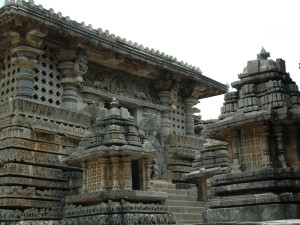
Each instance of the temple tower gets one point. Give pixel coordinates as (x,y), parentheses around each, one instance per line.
(259,121)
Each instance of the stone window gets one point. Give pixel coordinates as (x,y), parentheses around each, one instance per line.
(9,81)
(93,176)
(250,150)
(177,117)
(47,87)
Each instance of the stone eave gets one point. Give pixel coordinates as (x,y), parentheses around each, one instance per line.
(126,150)
(279,116)
(99,196)
(109,41)
(219,129)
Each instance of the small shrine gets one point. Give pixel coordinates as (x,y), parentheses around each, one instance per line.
(260,122)
(116,161)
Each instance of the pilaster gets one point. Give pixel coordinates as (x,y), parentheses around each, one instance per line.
(233,150)
(165,99)
(147,164)
(127,173)
(115,172)
(280,149)
(264,140)
(103,176)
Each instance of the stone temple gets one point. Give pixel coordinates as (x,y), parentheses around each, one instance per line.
(96,129)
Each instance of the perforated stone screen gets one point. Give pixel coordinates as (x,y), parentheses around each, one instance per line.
(177,117)
(93,176)
(250,150)
(9,81)
(47,87)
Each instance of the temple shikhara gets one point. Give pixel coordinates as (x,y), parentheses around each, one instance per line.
(98,130)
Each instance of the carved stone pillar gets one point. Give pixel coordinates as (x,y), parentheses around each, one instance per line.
(127,173)
(264,140)
(115,172)
(233,151)
(85,177)
(26,59)
(165,123)
(72,76)
(189,118)
(103,169)
(147,164)
(279,142)
(69,82)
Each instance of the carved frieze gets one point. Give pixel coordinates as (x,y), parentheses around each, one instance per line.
(29,170)
(32,213)
(119,83)
(31,192)
(34,157)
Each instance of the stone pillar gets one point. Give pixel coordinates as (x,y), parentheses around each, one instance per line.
(263,134)
(127,173)
(85,177)
(279,142)
(147,166)
(233,151)
(26,60)
(103,169)
(165,123)
(69,82)
(189,118)
(115,172)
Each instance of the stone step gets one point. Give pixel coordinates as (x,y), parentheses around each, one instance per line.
(182,197)
(186,209)
(189,222)
(182,203)
(188,192)
(184,217)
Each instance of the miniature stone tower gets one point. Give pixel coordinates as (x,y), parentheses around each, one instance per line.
(260,122)
(117,172)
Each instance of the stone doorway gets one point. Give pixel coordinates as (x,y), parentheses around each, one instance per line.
(135,175)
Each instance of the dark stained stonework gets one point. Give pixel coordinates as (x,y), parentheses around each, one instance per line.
(259,121)
(68,156)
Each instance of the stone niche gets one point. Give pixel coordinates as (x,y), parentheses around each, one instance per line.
(260,123)
(116,161)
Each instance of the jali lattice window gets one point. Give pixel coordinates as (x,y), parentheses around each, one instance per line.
(47,87)
(250,150)
(177,117)
(9,81)
(93,176)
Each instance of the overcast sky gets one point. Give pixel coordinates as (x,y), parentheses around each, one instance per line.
(216,35)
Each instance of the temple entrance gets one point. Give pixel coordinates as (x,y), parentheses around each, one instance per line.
(135,175)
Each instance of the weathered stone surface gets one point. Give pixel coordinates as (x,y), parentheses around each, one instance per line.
(263,154)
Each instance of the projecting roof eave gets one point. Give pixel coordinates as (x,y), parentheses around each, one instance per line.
(110,41)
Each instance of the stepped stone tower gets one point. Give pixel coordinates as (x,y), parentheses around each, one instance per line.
(58,78)
(260,122)
(116,164)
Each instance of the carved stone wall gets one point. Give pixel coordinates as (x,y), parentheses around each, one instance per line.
(118,83)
